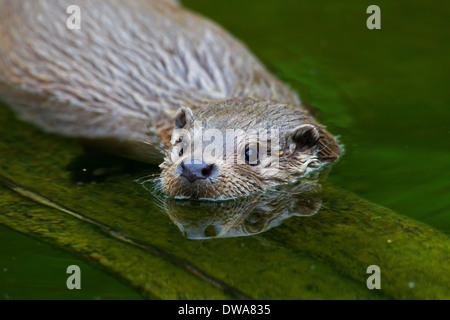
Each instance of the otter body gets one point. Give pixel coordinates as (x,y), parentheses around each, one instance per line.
(138,69)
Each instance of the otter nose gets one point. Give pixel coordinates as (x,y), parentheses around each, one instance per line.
(193,171)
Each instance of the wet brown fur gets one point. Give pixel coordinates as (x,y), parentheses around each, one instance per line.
(119,81)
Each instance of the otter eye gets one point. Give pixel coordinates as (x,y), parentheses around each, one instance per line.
(252,155)
(181,152)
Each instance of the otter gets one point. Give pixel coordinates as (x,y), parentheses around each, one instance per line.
(139,79)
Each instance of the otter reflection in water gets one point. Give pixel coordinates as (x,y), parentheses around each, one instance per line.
(243,216)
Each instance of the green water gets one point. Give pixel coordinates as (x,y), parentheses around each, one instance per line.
(384,92)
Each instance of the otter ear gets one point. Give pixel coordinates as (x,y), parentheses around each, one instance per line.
(183,116)
(305,137)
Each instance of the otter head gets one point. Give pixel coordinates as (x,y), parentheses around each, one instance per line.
(234,147)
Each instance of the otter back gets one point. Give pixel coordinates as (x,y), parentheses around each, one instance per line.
(122,76)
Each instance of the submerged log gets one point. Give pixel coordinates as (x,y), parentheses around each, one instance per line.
(322,254)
